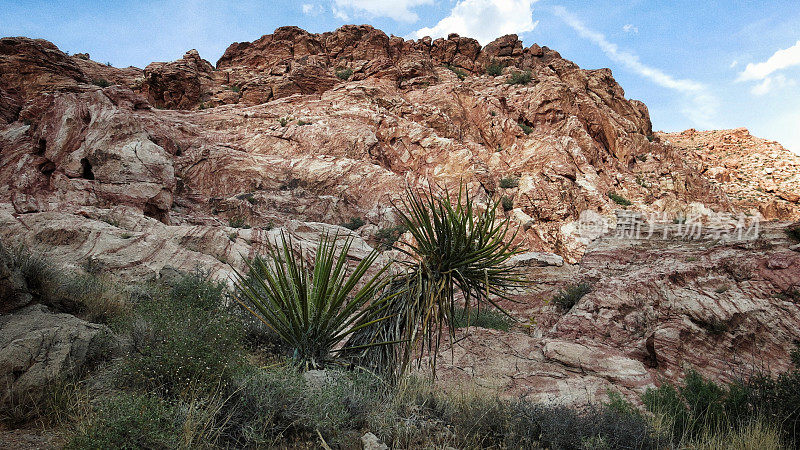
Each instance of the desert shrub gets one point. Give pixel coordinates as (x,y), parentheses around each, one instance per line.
(520,78)
(302,123)
(568,297)
(388,236)
(507,203)
(131,421)
(700,407)
(97,298)
(62,400)
(102,82)
(238,222)
(509,182)
(354,223)
(483,420)
(267,407)
(284,121)
(776,400)
(312,309)
(527,129)
(183,339)
(236,89)
(460,73)
(618,199)
(495,68)
(793,231)
(344,74)
(485,318)
(91,296)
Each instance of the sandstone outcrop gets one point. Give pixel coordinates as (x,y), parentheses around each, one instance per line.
(656,309)
(38,347)
(758,175)
(184,165)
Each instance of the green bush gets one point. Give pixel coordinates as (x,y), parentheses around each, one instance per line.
(618,199)
(507,202)
(525,128)
(131,421)
(312,309)
(485,318)
(183,339)
(354,223)
(344,74)
(522,78)
(302,123)
(569,296)
(509,182)
(495,68)
(388,236)
(268,408)
(102,82)
(460,73)
(238,222)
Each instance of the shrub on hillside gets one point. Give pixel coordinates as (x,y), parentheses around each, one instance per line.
(618,199)
(568,297)
(509,182)
(485,318)
(344,74)
(354,223)
(131,421)
(495,68)
(521,78)
(183,339)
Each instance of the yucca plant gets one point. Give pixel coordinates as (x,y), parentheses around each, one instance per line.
(456,249)
(313,309)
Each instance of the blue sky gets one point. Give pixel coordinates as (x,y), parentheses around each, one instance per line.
(712,64)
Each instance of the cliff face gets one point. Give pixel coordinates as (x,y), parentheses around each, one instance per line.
(327,127)
(184,164)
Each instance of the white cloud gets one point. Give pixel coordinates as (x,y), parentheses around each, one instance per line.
(734,63)
(484,20)
(630,28)
(312,10)
(781,59)
(702,105)
(771,83)
(400,10)
(764,72)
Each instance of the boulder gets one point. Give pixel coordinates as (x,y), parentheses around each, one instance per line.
(38,347)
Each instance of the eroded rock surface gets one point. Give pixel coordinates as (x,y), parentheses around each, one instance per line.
(298,132)
(38,347)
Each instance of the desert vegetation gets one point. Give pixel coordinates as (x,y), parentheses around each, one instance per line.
(200,372)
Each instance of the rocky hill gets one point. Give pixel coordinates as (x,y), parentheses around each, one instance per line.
(186,164)
(758,175)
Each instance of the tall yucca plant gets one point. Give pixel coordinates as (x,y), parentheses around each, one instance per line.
(312,311)
(456,249)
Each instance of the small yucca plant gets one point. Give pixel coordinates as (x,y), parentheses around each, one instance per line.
(455,249)
(312,309)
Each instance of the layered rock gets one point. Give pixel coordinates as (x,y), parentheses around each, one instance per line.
(298,132)
(657,308)
(758,175)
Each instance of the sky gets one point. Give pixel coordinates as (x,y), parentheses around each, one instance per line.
(696,64)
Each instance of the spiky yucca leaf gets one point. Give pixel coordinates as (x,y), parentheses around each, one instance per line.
(455,249)
(312,309)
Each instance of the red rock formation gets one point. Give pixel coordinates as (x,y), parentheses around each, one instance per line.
(758,175)
(274,138)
